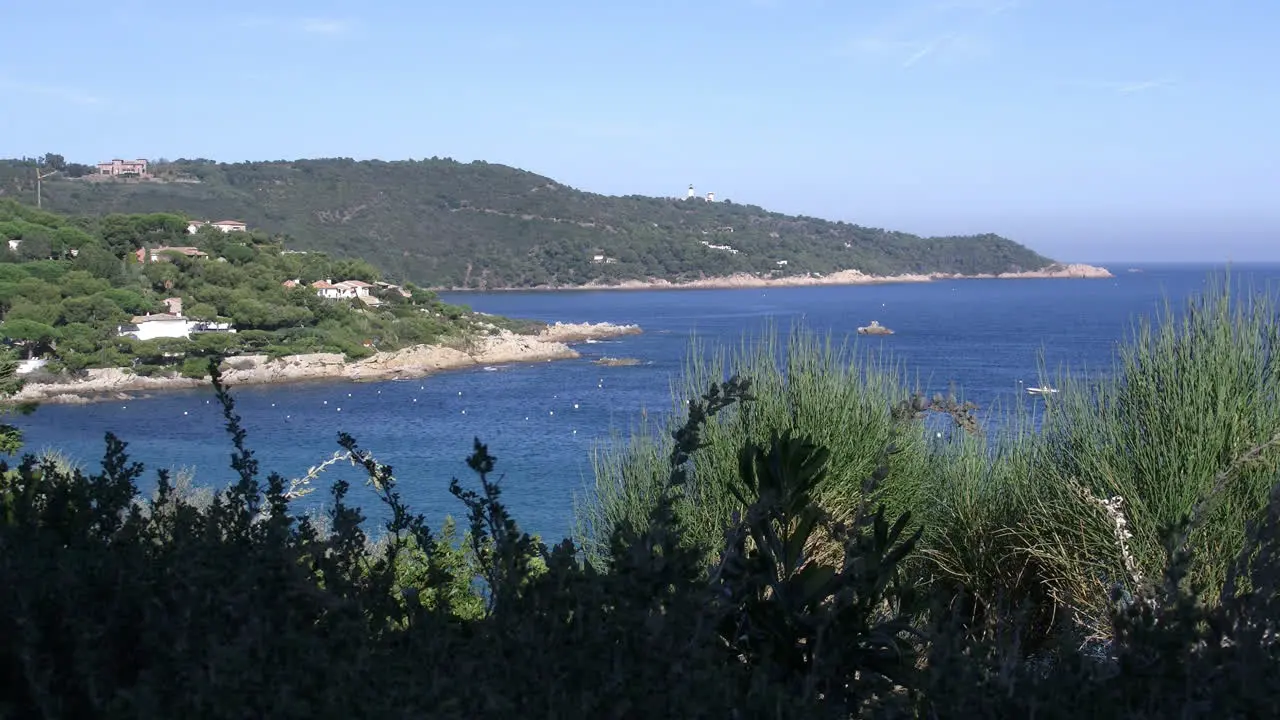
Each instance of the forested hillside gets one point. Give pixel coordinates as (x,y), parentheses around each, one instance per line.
(442,223)
(69,286)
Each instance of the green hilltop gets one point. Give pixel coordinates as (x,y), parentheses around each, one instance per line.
(446,224)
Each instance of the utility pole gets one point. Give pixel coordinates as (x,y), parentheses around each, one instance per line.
(39,179)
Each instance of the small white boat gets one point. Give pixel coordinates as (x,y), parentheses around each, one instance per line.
(1046,390)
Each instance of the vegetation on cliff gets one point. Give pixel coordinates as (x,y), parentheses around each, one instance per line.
(69,284)
(442,223)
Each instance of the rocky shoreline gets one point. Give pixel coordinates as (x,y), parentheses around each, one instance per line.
(843,277)
(552,343)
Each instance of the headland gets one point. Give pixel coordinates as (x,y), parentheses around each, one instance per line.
(502,347)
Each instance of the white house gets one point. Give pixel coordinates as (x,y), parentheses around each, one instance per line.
(168,325)
(358,288)
(326,289)
(30,365)
(344,289)
(226,226)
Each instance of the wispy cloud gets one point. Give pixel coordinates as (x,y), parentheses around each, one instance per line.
(942,30)
(59,93)
(1145,85)
(318,26)
(1127,87)
(325,26)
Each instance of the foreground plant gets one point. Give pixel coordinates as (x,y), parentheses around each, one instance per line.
(112,607)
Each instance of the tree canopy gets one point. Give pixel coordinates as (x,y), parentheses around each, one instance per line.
(69,299)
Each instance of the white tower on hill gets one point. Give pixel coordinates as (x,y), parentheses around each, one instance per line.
(691,192)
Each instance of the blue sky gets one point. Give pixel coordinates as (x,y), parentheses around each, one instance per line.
(1089,130)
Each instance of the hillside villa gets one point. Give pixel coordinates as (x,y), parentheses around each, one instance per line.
(226,226)
(348,289)
(169,325)
(160,254)
(116,168)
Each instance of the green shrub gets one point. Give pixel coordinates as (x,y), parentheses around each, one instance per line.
(195,368)
(806,384)
(144,370)
(1185,425)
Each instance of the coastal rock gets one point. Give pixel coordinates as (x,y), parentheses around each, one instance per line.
(578,332)
(1060,270)
(499,348)
(874,328)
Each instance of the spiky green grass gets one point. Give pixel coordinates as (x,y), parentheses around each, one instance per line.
(1186,423)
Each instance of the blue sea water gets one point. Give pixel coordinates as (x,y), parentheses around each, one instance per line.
(542,420)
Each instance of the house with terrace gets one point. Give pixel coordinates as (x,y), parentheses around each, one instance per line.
(226,226)
(164,253)
(353,289)
(168,325)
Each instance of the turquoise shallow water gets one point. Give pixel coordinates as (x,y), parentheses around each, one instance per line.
(542,420)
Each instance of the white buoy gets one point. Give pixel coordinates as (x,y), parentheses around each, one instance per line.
(184,412)
(575,406)
(553,412)
(464,412)
(325,402)
(459,393)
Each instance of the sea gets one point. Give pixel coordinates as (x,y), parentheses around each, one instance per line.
(543,421)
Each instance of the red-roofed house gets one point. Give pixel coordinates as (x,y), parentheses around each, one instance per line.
(344,289)
(159,254)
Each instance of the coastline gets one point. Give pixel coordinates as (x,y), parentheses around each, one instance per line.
(505,347)
(1074,271)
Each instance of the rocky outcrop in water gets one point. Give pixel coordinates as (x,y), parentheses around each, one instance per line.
(874,328)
